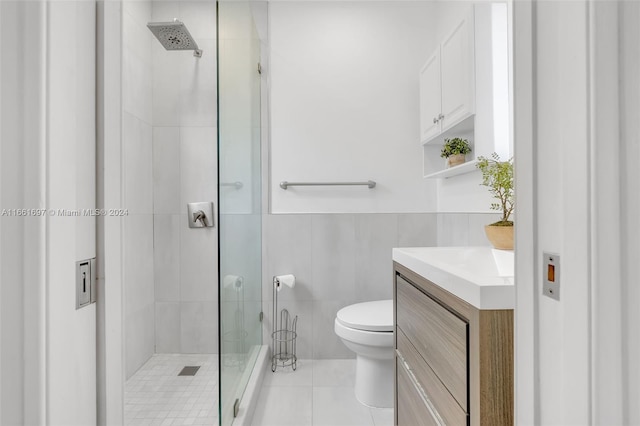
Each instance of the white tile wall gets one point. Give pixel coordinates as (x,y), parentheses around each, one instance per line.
(136,83)
(333,254)
(138,261)
(464,229)
(454,228)
(325,342)
(166,252)
(166,170)
(184,170)
(166,83)
(138,271)
(198,263)
(139,338)
(341,259)
(168,327)
(375,236)
(138,174)
(198,164)
(139,10)
(198,83)
(199,327)
(200,16)
(288,251)
(477,222)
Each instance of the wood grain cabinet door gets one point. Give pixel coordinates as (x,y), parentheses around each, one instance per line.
(439,336)
(412,410)
(441,400)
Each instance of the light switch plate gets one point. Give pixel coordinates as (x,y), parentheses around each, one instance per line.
(551,275)
(85,283)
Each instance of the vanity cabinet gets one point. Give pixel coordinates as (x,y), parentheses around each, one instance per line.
(454,362)
(447,82)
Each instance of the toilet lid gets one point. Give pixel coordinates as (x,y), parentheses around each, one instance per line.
(368,316)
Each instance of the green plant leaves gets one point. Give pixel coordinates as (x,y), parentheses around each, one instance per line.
(498,177)
(455,146)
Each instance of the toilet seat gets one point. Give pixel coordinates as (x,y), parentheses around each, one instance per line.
(374,316)
(374,339)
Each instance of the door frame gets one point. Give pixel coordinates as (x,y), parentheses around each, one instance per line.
(110,195)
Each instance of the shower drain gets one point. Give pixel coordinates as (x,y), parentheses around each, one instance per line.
(189,371)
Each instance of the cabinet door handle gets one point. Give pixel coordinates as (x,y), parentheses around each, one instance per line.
(440,117)
(435,120)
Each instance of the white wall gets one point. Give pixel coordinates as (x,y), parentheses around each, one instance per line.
(628,16)
(344,104)
(554,351)
(562,162)
(12,187)
(526,402)
(337,68)
(48,161)
(71,333)
(110,341)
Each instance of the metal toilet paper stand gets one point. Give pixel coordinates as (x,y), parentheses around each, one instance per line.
(284,335)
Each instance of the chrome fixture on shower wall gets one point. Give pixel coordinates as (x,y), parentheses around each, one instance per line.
(200,214)
(174,36)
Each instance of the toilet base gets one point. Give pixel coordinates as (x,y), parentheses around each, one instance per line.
(374,382)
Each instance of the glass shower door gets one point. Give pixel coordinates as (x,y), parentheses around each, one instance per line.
(239,177)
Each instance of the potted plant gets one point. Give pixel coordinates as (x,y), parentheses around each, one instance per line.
(498,177)
(454,151)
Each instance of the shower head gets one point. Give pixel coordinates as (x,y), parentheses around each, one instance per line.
(174,36)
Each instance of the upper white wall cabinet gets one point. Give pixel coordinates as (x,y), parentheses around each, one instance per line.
(447,82)
(464,89)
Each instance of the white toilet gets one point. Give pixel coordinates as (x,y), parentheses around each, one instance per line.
(367,329)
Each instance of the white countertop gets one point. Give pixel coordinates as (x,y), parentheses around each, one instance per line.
(481,276)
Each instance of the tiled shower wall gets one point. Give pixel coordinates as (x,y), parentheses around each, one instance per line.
(184,170)
(138,185)
(169,144)
(341,259)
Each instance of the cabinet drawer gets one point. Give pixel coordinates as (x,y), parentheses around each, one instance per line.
(446,405)
(439,336)
(411,408)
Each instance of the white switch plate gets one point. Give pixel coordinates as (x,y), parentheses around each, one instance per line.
(85,282)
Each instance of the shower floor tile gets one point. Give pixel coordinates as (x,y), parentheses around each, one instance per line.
(156,395)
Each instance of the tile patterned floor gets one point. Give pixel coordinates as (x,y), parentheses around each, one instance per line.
(157,396)
(318,393)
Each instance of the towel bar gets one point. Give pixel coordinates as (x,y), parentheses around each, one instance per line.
(285,184)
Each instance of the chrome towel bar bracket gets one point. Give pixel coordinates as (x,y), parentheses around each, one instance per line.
(369,183)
